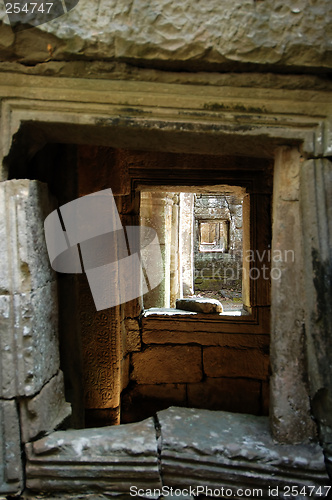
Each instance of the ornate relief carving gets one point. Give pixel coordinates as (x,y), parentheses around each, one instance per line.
(100,337)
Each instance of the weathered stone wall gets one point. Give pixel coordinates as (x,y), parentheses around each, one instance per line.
(315,200)
(197,363)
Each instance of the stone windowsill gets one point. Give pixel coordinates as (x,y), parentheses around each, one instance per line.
(178,313)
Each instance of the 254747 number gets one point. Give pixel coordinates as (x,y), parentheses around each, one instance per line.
(29,8)
(307,491)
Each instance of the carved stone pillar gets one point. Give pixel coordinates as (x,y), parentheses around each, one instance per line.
(101,357)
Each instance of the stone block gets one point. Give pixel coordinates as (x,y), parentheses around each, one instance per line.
(43,413)
(29,341)
(227,394)
(207,306)
(157,365)
(95,460)
(132,333)
(228,362)
(288,164)
(133,308)
(215,449)
(11,472)
(143,401)
(24,263)
(173,331)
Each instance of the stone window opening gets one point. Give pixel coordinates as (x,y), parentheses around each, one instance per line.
(109,358)
(201,235)
(165,370)
(108,378)
(214,236)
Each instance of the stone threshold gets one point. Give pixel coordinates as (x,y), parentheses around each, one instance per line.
(181,447)
(179,313)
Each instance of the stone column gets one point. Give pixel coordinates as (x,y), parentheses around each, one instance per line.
(174,257)
(156,212)
(290,413)
(101,353)
(102,335)
(316,198)
(31,384)
(186,243)
(246,245)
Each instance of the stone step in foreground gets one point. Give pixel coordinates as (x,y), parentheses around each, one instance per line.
(201,449)
(210,449)
(105,460)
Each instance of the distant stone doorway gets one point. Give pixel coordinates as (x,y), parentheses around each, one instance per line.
(283,141)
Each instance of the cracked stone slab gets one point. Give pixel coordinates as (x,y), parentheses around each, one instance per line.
(202,447)
(107,459)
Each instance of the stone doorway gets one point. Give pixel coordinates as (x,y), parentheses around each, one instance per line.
(107,356)
(195,268)
(290,409)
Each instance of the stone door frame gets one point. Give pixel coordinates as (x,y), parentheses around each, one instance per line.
(294,126)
